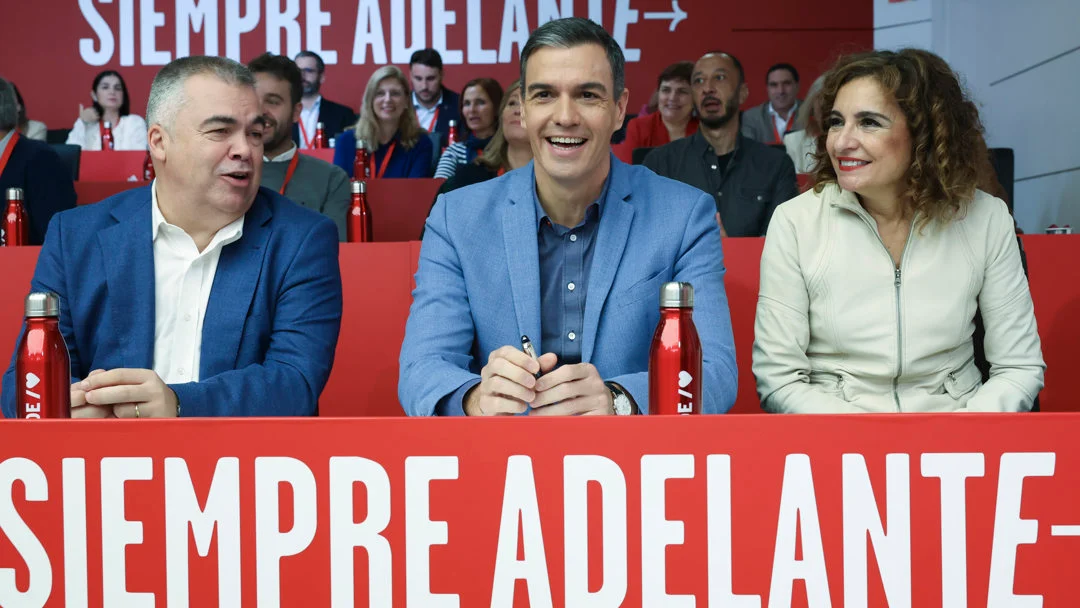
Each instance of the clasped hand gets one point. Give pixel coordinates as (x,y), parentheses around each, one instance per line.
(508,386)
(123,393)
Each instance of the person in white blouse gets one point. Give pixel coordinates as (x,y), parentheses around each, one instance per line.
(801,145)
(111,104)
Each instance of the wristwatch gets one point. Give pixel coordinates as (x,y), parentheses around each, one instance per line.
(621,402)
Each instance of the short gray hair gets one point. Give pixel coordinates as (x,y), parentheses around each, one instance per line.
(9,106)
(167,91)
(569,33)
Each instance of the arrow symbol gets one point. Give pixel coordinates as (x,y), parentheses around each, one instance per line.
(676,15)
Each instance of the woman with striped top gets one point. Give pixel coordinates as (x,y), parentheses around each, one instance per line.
(480,101)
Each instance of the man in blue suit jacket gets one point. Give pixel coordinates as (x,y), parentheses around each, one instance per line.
(32,166)
(570,250)
(202,294)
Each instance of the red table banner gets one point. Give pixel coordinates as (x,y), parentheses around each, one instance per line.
(734,511)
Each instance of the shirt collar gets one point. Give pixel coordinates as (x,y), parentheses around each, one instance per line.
(794,108)
(230,233)
(701,146)
(315,104)
(7,139)
(592,213)
(416,102)
(283,157)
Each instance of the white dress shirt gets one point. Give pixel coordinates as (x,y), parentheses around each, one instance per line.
(781,122)
(425,116)
(183,277)
(309,121)
(285,156)
(128,134)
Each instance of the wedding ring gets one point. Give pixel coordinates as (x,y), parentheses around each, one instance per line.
(136,410)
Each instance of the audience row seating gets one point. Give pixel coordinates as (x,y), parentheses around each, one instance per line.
(378,283)
(399,207)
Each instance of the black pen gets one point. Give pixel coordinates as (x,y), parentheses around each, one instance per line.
(526,345)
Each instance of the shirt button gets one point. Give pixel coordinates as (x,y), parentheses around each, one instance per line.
(571,335)
(719,193)
(714,167)
(571,286)
(187,317)
(573,238)
(181,371)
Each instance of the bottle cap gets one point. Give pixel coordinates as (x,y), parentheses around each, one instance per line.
(108,125)
(43,304)
(318,125)
(453,123)
(359,187)
(676,295)
(360,144)
(14,194)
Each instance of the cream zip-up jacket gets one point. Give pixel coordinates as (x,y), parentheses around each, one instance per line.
(841,329)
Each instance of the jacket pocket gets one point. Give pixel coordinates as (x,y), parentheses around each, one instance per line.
(959,383)
(649,286)
(829,382)
(756,196)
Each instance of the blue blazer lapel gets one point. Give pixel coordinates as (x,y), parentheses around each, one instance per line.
(128,250)
(523,255)
(611,240)
(238,272)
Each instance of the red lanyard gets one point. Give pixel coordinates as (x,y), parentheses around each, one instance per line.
(303,133)
(385,160)
(780,136)
(501,171)
(7,151)
(434,119)
(288,173)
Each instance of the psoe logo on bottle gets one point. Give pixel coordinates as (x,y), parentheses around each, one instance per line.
(32,409)
(684,381)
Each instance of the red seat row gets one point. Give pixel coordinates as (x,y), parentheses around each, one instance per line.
(378,282)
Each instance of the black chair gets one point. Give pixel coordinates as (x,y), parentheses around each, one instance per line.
(637,157)
(69,155)
(620,136)
(980,330)
(56,136)
(1004,162)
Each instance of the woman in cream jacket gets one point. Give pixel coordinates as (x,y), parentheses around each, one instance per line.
(870,281)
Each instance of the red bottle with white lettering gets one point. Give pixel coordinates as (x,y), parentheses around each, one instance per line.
(107,141)
(16,231)
(675,354)
(452,134)
(358,222)
(361,168)
(148,168)
(320,137)
(42,365)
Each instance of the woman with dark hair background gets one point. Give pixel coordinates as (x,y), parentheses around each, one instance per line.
(111,104)
(871,281)
(30,129)
(480,102)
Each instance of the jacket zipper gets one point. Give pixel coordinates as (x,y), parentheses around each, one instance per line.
(897,276)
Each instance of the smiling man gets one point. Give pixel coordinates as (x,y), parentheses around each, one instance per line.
(579,243)
(201,294)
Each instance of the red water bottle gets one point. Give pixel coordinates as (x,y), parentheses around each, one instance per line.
(320,137)
(361,168)
(148,168)
(675,354)
(42,365)
(452,136)
(358,222)
(16,231)
(107,142)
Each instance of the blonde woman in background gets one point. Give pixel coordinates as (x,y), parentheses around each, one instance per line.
(396,144)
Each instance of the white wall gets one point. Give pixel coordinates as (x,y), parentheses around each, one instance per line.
(1021,63)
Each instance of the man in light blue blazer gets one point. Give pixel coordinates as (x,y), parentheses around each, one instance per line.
(571,251)
(202,294)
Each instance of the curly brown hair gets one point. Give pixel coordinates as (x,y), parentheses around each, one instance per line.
(949,157)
